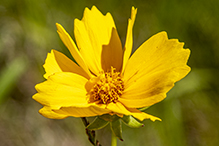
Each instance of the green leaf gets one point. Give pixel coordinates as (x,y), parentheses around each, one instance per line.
(97,124)
(144,108)
(131,122)
(109,118)
(116,128)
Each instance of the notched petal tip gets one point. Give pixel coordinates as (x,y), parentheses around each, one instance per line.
(164,33)
(129,38)
(94,8)
(133,12)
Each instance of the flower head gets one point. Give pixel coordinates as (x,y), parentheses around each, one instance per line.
(106,78)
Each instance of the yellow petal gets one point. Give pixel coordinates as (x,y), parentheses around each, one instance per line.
(58,62)
(91,33)
(48,113)
(152,71)
(62,89)
(90,111)
(150,89)
(141,115)
(156,54)
(112,53)
(118,108)
(129,38)
(69,43)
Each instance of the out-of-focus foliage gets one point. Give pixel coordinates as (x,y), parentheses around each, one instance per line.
(27,33)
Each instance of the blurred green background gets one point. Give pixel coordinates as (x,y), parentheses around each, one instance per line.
(27,33)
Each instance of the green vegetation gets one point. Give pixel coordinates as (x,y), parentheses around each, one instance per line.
(189,114)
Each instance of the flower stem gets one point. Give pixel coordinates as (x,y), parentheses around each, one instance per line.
(113,140)
(90,133)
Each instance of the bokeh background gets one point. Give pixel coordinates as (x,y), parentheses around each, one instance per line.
(190,113)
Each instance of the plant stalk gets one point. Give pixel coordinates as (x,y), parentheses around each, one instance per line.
(113,140)
(90,133)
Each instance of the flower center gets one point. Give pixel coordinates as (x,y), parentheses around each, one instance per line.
(108,88)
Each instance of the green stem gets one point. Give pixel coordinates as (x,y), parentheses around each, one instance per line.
(90,133)
(113,140)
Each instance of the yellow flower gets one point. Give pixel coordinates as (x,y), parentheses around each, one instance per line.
(106,80)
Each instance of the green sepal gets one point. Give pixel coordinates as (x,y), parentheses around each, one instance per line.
(144,108)
(116,128)
(109,118)
(131,122)
(97,124)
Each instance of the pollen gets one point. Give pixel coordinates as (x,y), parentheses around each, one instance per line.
(108,88)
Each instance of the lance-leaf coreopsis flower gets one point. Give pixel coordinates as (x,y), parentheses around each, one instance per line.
(106,78)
